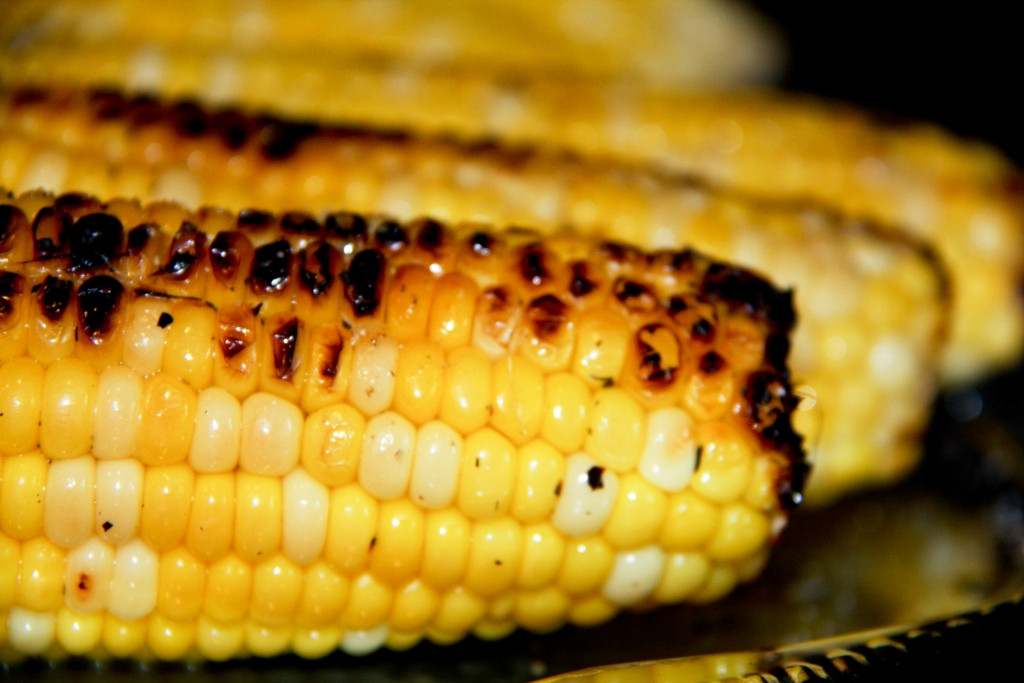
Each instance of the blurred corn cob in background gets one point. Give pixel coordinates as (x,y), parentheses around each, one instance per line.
(872,303)
(965,198)
(229,434)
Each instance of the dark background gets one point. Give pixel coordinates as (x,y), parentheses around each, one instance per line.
(951,63)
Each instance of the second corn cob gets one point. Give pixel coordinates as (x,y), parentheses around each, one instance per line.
(228,434)
(873,302)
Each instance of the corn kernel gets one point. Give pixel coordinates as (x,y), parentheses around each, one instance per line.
(689,523)
(68,513)
(119,403)
(119,487)
(435,468)
(465,402)
(566,401)
(10,553)
(460,609)
(398,542)
(684,573)
(587,497)
(350,528)
(445,548)
(741,532)
(368,604)
(211,520)
(601,346)
(638,514)
(414,606)
(543,550)
(385,463)
(315,643)
(182,584)
(66,414)
(617,430)
(634,575)
(78,634)
(495,555)
(487,475)
(188,346)
(218,641)
(541,610)
(304,524)
(41,577)
(518,386)
(726,464)
(324,594)
(88,570)
(228,589)
(216,439)
(166,497)
(586,565)
(331,443)
(539,476)
(372,383)
(133,586)
(409,303)
(168,419)
(267,641)
(21,392)
(21,495)
(420,378)
(123,638)
(258,516)
(30,632)
(452,311)
(276,591)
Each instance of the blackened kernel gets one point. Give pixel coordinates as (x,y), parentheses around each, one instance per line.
(139,236)
(363,281)
(676,305)
(49,229)
(235,331)
(497,299)
(54,295)
(702,330)
(315,269)
(270,265)
(390,235)
(595,478)
(98,300)
(164,320)
(346,226)
(224,255)
(94,240)
(710,363)
(233,129)
(11,285)
(284,340)
(185,248)
(482,243)
(618,252)
(430,235)
(660,354)
(10,218)
(547,314)
(580,284)
(298,223)
(280,140)
(189,119)
(635,296)
(254,220)
(532,266)
(684,260)
(329,366)
(70,201)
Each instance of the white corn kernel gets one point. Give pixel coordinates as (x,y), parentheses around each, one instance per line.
(216,440)
(635,574)
(435,468)
(372,384)
(587,497)
(88,571)
(271,435)
(364,642)
(118,499)
(385,464)
(133,587)
(68,507)
(670,454)
(30,632)
(145,333)
(304,527)
(118,406)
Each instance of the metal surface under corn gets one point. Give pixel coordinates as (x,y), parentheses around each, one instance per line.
(872,302)
(225,434)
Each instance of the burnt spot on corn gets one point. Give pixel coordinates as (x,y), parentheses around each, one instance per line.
(595,478)
(363,281)
(270,265)
(430,236)
(547,315)
(481,243)
(186,246)
(70,202)
(139,236)
(279,140)
(11,286)
(298,223)
(53,295)
(224,255)
(283,342)
(94,240)
(235,330)
(710,363)
(703,330)
(330,355)
(635,296)
(660,352)
(616,252)
(770,403)
(11,219)
(315,268)
(532,265)
(48,232)
(254,220)
(164,320)
(496,299)
(346,226)
(98,301)
(580,283)
(390,235)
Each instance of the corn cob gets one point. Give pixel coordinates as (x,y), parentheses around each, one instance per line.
(965,198)
(679,42)
(228,434)
(872,302)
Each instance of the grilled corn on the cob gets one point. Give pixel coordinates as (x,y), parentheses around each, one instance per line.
(227,434)
(872,303)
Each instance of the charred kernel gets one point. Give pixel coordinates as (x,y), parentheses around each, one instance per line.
(185,249)
(430,236)
(618,252)
(328,367)
(711,363)
(224,255)
(48,231)
(270,267)
(390,235)
(254,220)
(580,284)
(346,226)
(54,295)
(11,285)
(139,236)
(235,331)
(363,281)
(547,314)
(595,478)
(299,223)
(771,402)
(660,353)
(284,340)
(315,269)
(94,240)
(532,266)
(702,330)
(10,218)
(280,140)
(98,299)
(635,296)
(481,243)
(73,200)
(164,320)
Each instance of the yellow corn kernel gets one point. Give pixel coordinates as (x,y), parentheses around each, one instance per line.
(41,577)
(331,443)
(445,548)
(10,552)
(690,522)
(683,575)
(350,529)
(586,565)
(541,610)
(414,606)
(741,531)
(119,488)
(211,519)
(495,555)
(459,611)
(465,402)
(419,381)
(271,435)
(169,640)
(385,463)
(182,584)
(21,392)
(266,641)
(538,481)
(66,415)
(324,594)
(188,347)
(168,420)
(369,602)
(315,643)
(21,499)
(68,513)
(638,515)
(228,589)
(166,499)
(123,637)
(435,468)
(216,439)
(566,401)
(88,571)
(452,311)
(543,550)
(518,386)
(726,464)
(276,591)
(371,385)
(720,580)
(592,610)
(218,641)
(601,347)
(616,431)
(408,304)
(398,542)
(258,516)
(79,634)
(487,475)
(119,401)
